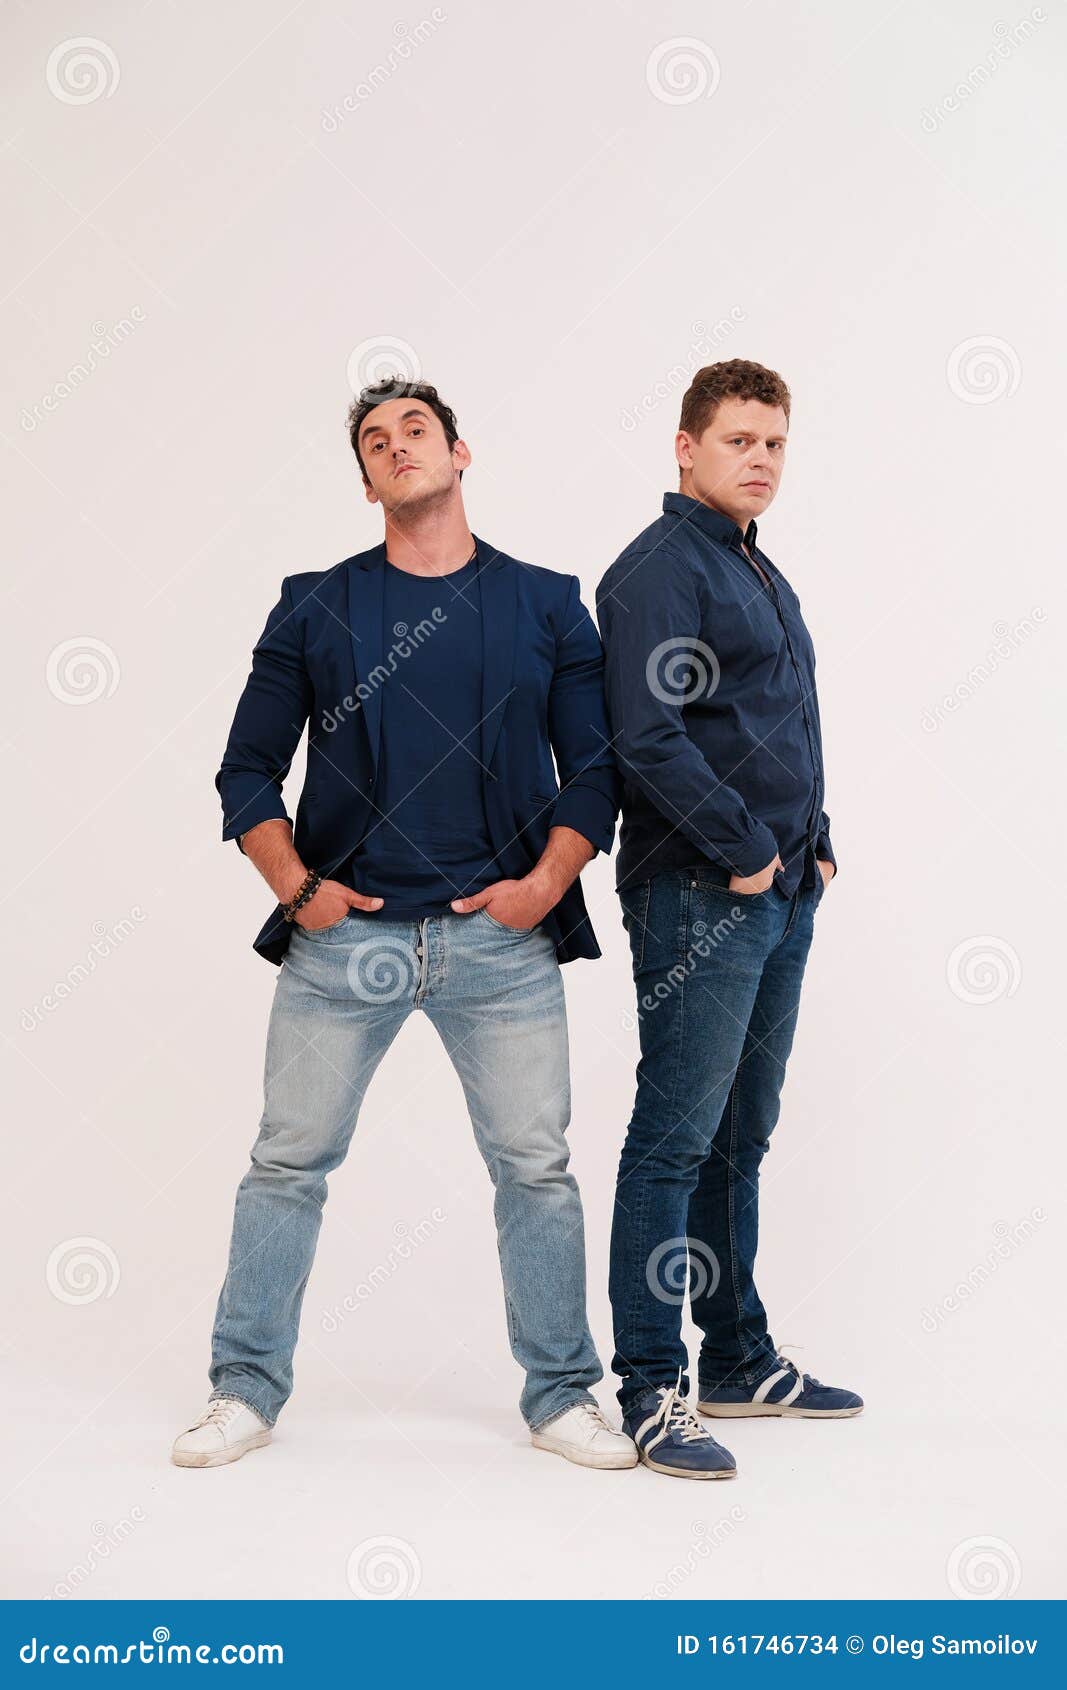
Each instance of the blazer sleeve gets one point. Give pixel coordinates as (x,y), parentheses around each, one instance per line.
(590,787)
(271,715)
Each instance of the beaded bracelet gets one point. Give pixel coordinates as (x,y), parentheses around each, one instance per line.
(306,891)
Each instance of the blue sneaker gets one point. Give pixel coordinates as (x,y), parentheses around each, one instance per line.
(786,1392)
(670,1438)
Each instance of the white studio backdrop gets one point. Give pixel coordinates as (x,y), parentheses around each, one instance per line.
(218,220)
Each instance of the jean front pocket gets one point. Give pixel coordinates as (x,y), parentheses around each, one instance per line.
(634,901)
(331,927)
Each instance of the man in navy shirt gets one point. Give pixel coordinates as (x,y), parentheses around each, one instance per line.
(433,865)
(725,854)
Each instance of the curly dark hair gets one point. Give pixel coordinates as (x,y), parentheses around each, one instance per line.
(735,379)
(382,391)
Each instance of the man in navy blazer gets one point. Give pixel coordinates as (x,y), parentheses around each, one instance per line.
(433,865)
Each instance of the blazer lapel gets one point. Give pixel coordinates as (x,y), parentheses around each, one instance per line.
(366,588)
(499,616)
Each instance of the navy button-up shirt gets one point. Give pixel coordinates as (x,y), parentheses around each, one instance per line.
(711,695)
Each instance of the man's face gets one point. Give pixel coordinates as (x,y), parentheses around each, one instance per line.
(406,457)
(736,464)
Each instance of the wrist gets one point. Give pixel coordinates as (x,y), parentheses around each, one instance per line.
(548,885)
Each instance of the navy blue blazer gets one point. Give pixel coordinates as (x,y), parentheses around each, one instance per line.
(322,661)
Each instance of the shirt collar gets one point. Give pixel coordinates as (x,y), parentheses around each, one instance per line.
(716,523)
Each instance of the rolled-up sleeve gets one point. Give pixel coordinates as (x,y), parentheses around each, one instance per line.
(270,718)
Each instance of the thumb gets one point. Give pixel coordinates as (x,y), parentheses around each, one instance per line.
(360,901)
(465,906)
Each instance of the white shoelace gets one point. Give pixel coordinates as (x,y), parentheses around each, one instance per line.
(596,1420)
(677,1417)
(221,1412)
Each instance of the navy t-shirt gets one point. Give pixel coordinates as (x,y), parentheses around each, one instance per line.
(428,841)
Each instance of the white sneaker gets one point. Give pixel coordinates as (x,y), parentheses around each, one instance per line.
(225,1431)
(583,1435)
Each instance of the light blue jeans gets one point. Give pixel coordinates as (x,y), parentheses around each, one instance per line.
(495,996)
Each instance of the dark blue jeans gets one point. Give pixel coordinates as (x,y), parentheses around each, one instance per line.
(718,977)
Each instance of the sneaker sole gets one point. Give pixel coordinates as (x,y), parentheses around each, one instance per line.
(763,1410)
(218,1457)
(605,1463)
(688,1472)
